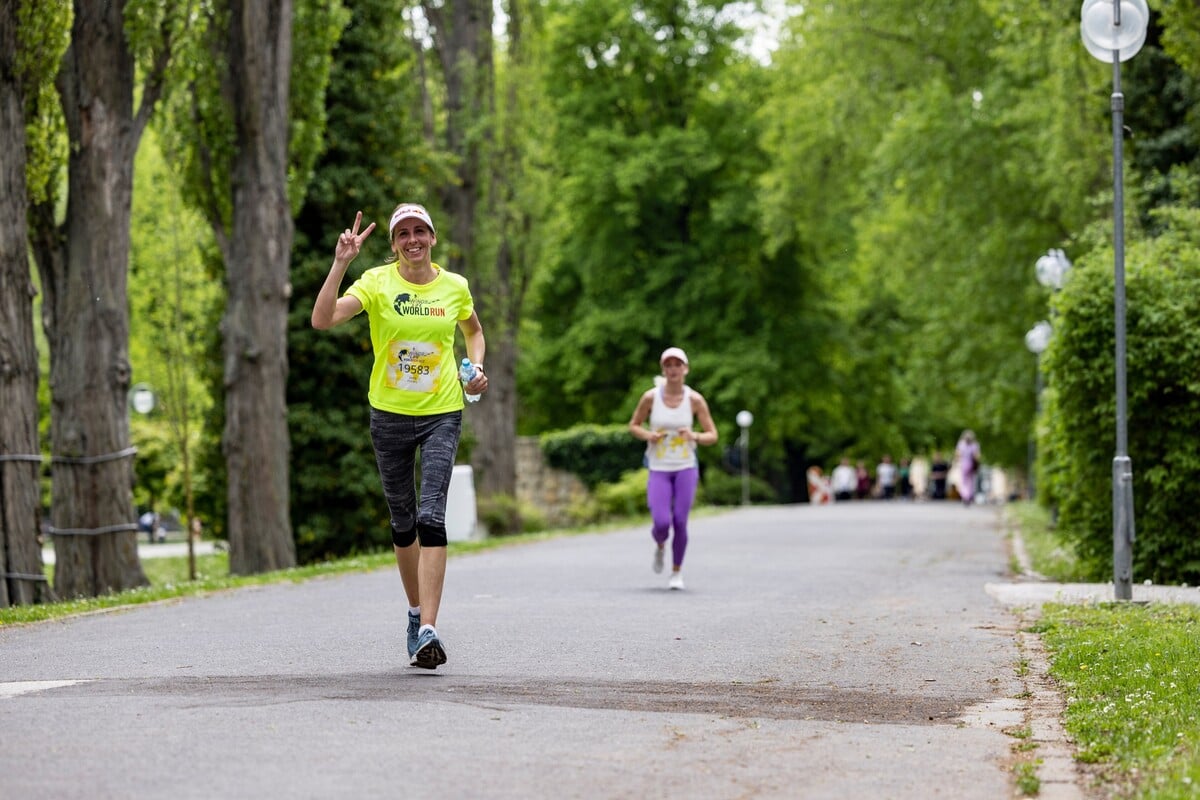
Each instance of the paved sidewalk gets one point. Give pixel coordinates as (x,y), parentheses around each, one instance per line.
(147,550)
(1034,593)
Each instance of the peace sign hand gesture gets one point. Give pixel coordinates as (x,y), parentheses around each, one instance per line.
(351,241)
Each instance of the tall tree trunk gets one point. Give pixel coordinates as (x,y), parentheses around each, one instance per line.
(501,299)
(494,422)
(257,264)
(22,574)
(86,315)
(462,31)
(463,37)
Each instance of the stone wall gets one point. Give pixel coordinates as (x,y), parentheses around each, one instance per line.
(550,490)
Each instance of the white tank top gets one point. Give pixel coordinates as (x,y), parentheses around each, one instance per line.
(672,453)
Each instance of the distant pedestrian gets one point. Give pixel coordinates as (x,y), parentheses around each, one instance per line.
(414,308)
(148,524)
(968,454)
(862,480)
(664,419)
(939,471)
(820,491)
(885,477)
(844,480)
(904,479)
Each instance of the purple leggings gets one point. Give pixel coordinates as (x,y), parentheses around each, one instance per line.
(670,496)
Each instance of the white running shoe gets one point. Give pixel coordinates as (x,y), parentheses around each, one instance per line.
(676,581)
(658,559)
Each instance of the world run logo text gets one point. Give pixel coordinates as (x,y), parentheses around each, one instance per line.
(406,305)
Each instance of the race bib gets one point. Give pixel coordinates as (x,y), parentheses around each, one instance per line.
(672,447)
(413,366)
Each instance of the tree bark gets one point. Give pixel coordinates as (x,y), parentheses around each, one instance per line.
(494,459)
(22,573)
(257,264)
(494,421)
(462,32)
(86,314)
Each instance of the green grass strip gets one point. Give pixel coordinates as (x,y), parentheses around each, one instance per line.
(1048,554)
(1131,677)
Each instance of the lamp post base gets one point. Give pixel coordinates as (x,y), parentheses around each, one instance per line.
(1123,530)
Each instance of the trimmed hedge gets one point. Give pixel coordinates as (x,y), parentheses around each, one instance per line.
(504,515)
(723,489)
(596,454)
(625,498)
(1077,429)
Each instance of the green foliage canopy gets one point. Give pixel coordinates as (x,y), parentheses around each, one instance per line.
(172,300)
(374,156)
(43,34)
(656,237)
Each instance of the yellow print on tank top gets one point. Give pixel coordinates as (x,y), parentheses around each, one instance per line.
(413,366)
(671,447)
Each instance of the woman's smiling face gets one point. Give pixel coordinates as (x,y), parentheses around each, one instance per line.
(412,241)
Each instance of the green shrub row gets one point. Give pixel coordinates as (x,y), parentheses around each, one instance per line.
(504,515)
(720,488)
(601,457)
(1077,428)
(595,453)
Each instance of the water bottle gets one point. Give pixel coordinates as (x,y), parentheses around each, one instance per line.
(466,373)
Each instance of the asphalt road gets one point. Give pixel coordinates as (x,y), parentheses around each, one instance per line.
(844,651)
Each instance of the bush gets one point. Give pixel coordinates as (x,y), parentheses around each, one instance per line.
(595,454)
(625,498)
(504,515)
(1077,428)
(722,489)
(585,512)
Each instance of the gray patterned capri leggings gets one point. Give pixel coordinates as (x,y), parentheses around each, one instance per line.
(397,439)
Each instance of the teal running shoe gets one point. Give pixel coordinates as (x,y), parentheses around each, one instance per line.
(430,652)
(414,628)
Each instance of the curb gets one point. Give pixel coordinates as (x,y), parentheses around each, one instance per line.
(1054,758)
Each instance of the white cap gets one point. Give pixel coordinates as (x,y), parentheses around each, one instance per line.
(673,352)
(410,211)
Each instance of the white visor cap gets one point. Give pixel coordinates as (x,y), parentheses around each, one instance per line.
(673,352)
(410,211)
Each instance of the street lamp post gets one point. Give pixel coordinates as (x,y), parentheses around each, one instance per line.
(1052,268)
(1114,31)
(1036,340)
(744,420)
(1051,271)
(142,398)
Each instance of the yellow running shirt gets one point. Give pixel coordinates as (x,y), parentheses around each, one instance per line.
(412,334)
